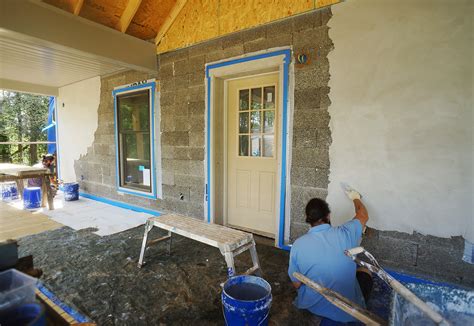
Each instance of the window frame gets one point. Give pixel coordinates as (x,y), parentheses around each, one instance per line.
(134,88)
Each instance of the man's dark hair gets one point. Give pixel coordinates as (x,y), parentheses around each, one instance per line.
(317,210)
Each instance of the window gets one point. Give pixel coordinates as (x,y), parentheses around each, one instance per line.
(257,122)
(134,139)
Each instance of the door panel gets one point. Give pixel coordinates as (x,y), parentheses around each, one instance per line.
(252,142)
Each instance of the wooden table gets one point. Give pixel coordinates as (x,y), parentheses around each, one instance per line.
(230,242)
(18,173)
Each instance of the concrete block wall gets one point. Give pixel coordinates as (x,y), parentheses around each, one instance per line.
(436,258)
(181,76)
(183,107)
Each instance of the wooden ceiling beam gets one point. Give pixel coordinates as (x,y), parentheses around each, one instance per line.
(128,14)
(170,20)
(78,7)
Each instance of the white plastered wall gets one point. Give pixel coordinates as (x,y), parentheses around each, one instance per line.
(77,108)
(401,113)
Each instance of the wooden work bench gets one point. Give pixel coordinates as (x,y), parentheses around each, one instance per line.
(230,242)
(18,173)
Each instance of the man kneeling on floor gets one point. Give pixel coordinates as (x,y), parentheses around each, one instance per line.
(319,255)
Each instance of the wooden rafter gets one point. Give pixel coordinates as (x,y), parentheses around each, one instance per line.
(127,15)
(78,7)
(170,20)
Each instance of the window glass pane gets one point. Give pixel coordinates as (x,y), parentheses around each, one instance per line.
(255,121)
(268,121)
(269,97)
(244,123)
(256,99)
(135,160)
(255,142)
(244,100)
(134,111)
(134,140)
(244,145)
(268,145)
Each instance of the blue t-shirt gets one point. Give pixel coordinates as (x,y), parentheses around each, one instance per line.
(319,255)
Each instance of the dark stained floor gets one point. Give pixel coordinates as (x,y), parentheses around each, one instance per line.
(99,276)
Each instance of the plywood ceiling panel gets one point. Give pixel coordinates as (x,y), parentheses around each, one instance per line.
(67,5)
(105,12)
(149,18)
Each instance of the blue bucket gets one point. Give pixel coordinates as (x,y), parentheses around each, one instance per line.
(246,300)
(32,197)
(71,191)
(28,314)
(9,191)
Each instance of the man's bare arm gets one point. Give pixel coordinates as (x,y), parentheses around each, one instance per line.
(361,212)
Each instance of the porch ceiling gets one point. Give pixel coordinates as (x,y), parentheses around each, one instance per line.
(43,48)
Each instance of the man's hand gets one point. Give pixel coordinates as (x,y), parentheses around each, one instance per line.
(352,194)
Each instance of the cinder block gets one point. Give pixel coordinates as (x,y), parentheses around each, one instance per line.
(234,51)
(197,63)
(181,67)
(308,98)
(197,108)
(196,138)
(189,180)
(205,47)
(307,21)
(167,85)
(232,40)
(284,26)
(195,210)
(326,15)
(253,34)
(305,137)
(197,193)
(310,157)
(196,79)
(196,93)
(300,197)
(196,153)
(311,78)
(176,192)
(196,168)
(170,57)
(197,123)
(322,178)
(167,177)
(181,82)
(297,230)
(175,138)
(166,71)
(303,176)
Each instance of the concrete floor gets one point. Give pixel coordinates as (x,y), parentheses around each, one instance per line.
(99,276)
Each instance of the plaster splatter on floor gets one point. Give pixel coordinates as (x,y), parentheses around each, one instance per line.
(86,213)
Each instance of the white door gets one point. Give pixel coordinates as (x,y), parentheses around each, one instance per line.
(252,143)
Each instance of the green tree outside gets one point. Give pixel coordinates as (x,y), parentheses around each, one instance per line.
(22,116)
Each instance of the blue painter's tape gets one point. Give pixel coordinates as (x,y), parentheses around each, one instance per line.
(141,168)
(153,194)
(208,180)
(120,204)
(78,317)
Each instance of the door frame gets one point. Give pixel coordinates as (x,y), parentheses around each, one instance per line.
(279,58)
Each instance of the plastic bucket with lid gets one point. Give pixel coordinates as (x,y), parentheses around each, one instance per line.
(246,300)
(9,191)
(71,191)
(32,197)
